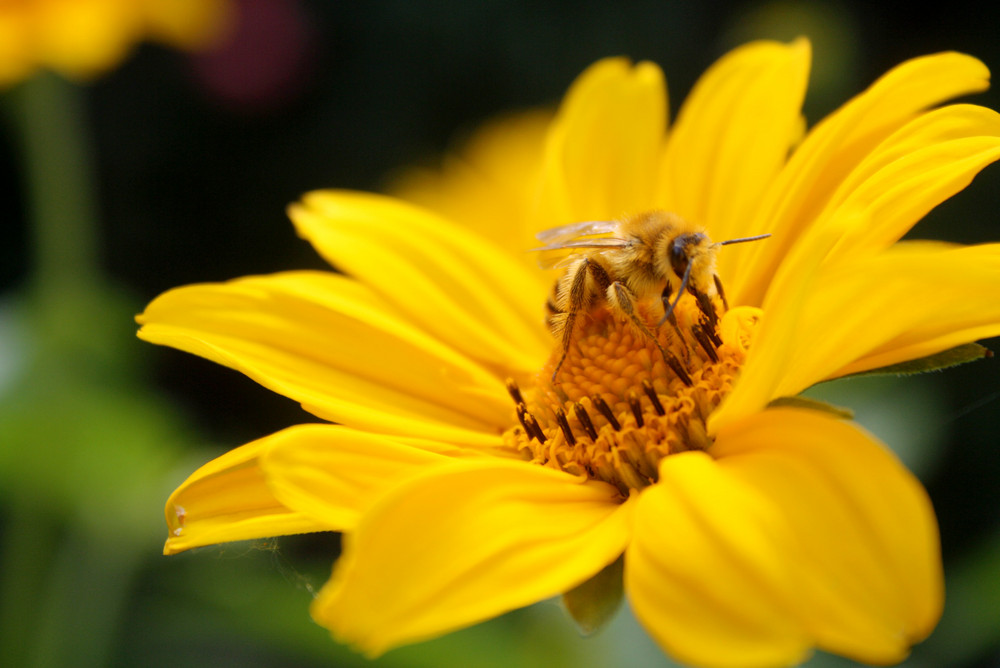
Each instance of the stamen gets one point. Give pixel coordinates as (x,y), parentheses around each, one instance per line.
(713,334)
(564,425)
(605,410)
(675,365)
(708,308)
(581,414)
(515,391)
(633,403)
(532,427)
(521,411)
(722,293)
(701,336)
(655,388)
(647,387)
(539,434)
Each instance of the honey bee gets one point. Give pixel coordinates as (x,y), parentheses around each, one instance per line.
(617,263)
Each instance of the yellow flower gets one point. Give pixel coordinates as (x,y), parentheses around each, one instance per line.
(82,38)
(753,529)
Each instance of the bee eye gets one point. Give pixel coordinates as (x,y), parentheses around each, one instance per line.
(679,253)
(682,249)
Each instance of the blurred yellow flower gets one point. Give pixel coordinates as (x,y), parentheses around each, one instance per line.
(468,483)
(82,38)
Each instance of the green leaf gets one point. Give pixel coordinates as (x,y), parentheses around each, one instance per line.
(967,352)
(812,404)
(593,603)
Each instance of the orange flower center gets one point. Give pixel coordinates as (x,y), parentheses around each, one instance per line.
(619,405)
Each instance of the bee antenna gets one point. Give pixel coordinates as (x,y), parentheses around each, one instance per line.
(743,239)
(680,293)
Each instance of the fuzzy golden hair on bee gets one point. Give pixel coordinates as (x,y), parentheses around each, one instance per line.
(616,264)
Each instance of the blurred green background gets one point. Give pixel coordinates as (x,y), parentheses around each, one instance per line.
(176,168)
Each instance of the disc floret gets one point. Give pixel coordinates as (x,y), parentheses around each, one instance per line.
(617,407)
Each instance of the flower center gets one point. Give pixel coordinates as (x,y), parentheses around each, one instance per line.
(619,405)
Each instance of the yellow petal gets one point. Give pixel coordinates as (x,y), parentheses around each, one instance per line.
(925,162)
(490,186)
(334,474)
(867,549)
(924,301)
(769,361)
(438,275)
(336,347)
(733,135)
(17,59)
(189,24)
(82,38)
(228,499)
(933,298)
(910,301)
(601,152)
(707,571)
(465,543)
(834,148)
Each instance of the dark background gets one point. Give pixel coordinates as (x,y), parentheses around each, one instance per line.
(197,157)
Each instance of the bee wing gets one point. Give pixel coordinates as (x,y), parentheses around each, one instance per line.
(561,254)
(555,259)
(555,235)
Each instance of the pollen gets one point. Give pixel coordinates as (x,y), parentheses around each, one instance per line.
(620,403)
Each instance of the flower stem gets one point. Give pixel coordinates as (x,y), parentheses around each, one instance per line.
(67,300)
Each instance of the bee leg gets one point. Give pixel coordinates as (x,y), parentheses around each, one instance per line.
(669,316)
(567,338)
(668,312)
(554,314)
(578,298)
(707,307)
(577,301)
(599,274)
(568,324)
(620,297)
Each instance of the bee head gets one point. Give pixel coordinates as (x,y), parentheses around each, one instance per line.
(685,248)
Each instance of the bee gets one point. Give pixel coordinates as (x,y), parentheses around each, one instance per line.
(617,263)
